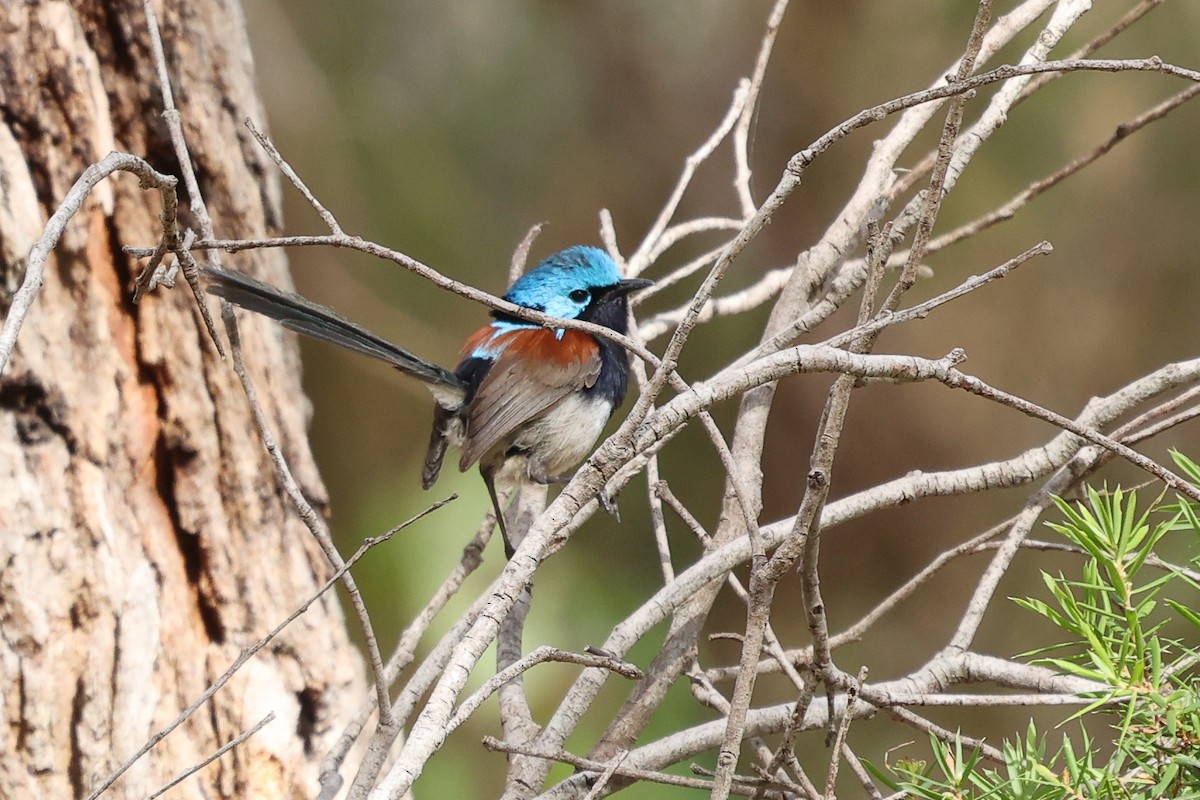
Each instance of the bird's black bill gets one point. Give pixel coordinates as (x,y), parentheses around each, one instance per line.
(627,286)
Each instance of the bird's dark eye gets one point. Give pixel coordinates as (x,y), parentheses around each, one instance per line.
(579,295)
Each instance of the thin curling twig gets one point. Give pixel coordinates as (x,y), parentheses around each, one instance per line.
(35,265)
(1009,209)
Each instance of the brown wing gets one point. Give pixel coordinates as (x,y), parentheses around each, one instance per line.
(533,373)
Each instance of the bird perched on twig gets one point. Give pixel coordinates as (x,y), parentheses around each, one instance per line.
(525,402)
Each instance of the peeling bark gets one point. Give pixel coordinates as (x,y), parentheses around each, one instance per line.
(143,539)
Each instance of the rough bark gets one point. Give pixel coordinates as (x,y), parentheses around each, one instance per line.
(143,539)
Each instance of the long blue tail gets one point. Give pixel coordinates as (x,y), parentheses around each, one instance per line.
(309,318)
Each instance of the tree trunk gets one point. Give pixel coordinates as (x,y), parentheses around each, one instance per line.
(144,541)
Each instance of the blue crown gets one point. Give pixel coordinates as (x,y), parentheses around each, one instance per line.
(561,285)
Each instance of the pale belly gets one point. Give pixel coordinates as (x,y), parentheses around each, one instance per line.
(565,436)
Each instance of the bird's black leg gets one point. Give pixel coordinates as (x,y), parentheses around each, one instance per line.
(490,483)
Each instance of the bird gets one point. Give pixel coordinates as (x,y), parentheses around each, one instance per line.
(525,402)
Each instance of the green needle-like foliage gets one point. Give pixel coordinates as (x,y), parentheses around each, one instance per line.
(1128,625)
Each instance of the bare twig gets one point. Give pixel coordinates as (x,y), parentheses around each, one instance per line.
(882,321)
(614,764)
(541,655)
(806,358)
(741,133)
(600,767)
(411,693)
(675,276)
(860,772)
(786,751)
(641,257)
(195,196)
(945,735)
(801,160)
(269,148)
(658,521)
(1040,81)
(775,281)
(1009,209)
(926,683)
(840,739)
(225,748)
(433,276)
(521,255)
(682,230)
(941,165)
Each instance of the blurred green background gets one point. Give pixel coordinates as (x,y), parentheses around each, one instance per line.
(446,130)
